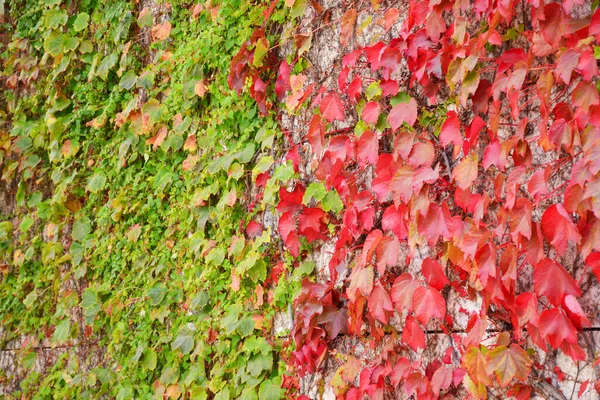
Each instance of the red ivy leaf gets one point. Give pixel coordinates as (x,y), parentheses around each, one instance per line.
(575,312)
(556,328)
(593,261)
(451,130)
(332,108)
(558,228)
(355,89)
(283,80)
(290,201)
(403,112)
(427,303)
(552,280)
(370,113)
(566,64)
(367,148)
(380,304)
(310,224)
(316,134)
(394,219)
(412,334)
(434,274)
(253,229)
(402,292)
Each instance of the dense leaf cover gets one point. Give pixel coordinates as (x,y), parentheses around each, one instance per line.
(127,271)
(470,129)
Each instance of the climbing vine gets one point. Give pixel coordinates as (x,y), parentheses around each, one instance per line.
(127,268)
(450,164)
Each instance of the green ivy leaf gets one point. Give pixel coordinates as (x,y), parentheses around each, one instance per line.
(81,228)
(149,361)
(259,363)
(81,22)
(315,190)
(184,340)
(54,43)
(106,64)
(245,326)
(61,332)
(271,389)
(157,294)
(332,202)
(55,18)
(96,182)
(373,90)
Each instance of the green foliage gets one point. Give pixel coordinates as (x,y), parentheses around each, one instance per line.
(133,158)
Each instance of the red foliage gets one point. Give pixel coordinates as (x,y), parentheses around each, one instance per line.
(487,153)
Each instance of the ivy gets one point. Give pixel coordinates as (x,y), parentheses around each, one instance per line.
(467,132)
(127,241)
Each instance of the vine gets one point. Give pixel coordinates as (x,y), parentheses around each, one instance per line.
(127,268)
(450,159)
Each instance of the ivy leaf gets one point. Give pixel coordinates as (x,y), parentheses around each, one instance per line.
(403,112)
(370,113)
(332,108)
(367,148)
(54,43)
(412,334)
(347,26)
(394,219)
(593,262)
(145,18)
(332,202)
(184,340)
(128,80)
(380,304)
(403,291)
(508,363)
(106,64)
(270,389)
(149,360)
(315,190)
(465,173)
(434,274)
(556,328)
(552,280)
(161,31)
(260,51)
(283,80)
(61,332)
(451,130)
(157,294)
(259,363)
(361,280)
(558,228)
(81,22)
(475,362)
(81,228)
(316,134)
(566,64)
(427,303)
(245,326)
(310,224)
(96,182)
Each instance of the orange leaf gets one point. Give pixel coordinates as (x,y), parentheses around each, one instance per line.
(161,31)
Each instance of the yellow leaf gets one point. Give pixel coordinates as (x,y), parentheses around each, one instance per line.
(508,363)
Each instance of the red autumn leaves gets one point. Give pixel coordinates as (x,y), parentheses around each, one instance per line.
(463,176)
